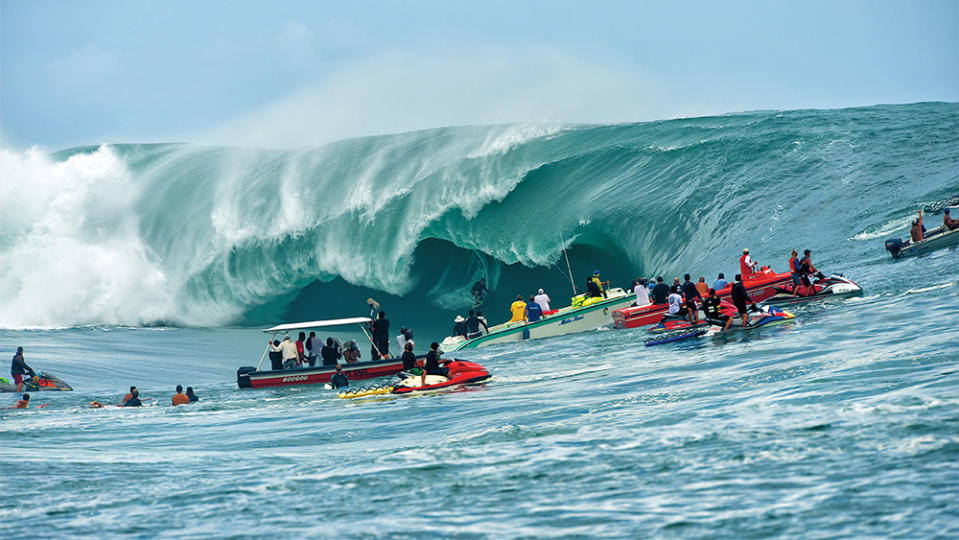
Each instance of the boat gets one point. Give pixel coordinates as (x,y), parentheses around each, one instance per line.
(759,286)
(37,383)
(254,377)
(937,238)
(835,286)
(583,314)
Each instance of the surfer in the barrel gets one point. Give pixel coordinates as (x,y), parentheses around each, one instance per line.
(478,292)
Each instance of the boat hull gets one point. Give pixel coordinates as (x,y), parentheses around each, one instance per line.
(937,238)
(250,378)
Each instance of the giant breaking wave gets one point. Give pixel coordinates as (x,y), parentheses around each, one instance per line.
(198,235)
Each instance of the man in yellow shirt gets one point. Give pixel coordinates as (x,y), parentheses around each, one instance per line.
(518,309)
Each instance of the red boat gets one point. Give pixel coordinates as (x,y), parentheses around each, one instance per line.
(253,377)
(461,372)
(759,286)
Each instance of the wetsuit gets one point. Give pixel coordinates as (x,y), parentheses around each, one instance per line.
(660,293)
(478,291)
(409,361)
(740,297)
(339,380)
(472,327)
(381,337)
(533,312)
(433,364)
(133,402)
(711,305)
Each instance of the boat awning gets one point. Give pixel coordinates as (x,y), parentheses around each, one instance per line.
(319,324)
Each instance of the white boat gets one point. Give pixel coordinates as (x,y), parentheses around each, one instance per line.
(596,313)
(937,238)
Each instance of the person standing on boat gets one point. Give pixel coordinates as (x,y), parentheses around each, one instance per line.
(380,328)
(312,349)
(518,309)
(473,323)
(720,282)
(948,222)
(276,355)
(339,380)
(329,353)
(405,336)
(691,293)
(660,291)
(740,299)
(746,265)
(917,232)
(482,320)
(543,300)
(301,349)
(641,292)
(290,356)
(352,352)
(794,270)
(19,368)
(533,310)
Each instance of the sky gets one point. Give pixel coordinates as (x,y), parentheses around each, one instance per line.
(290,74)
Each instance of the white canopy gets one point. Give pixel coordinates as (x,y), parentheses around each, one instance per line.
(319,324)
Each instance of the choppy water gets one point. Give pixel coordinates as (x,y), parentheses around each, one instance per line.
(844,423)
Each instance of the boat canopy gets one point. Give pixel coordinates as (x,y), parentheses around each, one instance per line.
(319,324)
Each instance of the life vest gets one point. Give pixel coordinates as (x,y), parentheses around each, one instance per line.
(745,269)
(794,265)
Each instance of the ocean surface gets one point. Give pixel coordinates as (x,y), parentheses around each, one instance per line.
(156,265)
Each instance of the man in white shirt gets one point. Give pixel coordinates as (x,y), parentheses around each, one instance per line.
(543,300)
(675,302)
(290,355)
(642,293)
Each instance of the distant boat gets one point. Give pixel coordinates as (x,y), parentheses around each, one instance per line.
(937,238)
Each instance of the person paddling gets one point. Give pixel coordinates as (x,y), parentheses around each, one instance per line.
(22,403)
(134,400)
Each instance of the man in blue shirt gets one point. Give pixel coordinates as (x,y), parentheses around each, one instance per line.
(720,282)
(533,310)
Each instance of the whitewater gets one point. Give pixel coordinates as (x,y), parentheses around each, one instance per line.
(156,264)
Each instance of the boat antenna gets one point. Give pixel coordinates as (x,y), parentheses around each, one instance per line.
(570,270)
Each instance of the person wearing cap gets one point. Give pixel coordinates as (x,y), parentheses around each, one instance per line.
(917,230)
(473,323)
(19,368)
(600,283)
(339,380)
(459,328)
(948,222)
(179,398)
(543,300)
(746,265)
(290,355)
(534,311)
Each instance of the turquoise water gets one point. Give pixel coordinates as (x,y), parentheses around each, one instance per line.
(844,423)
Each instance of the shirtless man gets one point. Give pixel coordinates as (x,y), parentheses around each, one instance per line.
(948,222)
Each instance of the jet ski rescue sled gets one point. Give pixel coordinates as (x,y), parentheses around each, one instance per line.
(254,377)
(37,383)
(461,373)
(835,286)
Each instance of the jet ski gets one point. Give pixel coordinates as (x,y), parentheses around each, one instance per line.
(41,381)
(758,317)
(461,373)
(834,286)
(680,335)
(672,323)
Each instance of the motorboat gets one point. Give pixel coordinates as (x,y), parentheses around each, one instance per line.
(254,377)
(37,383)
(834,286)
(581,315)
(934,239)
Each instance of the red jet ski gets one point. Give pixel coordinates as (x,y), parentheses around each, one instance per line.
(461,372)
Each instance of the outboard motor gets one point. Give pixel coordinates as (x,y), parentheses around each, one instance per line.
(243,376)
(893,245)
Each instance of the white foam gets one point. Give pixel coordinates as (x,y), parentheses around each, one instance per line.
(927,289)
(885,229)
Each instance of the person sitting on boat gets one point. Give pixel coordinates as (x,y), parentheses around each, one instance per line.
(312,349)
(352,352)
(406,334)
(701,286)
(603,285)
(473,323)
(290,356)
(593,290)
(276,355)
(720,282)
(190,394)
(134,400)
(459,327)
(641,292)
(533,310)
(179,398)
(433,363)
(740,298)
(478,291)
(409,361)
(328,352)
(518,310)
(948,222)
(22,403)
(543,300)
(660,291)
(676,307)
(917,230)
(380,328)
(19,368)
(691,293)
(746,265)
(339,380)
(713,311)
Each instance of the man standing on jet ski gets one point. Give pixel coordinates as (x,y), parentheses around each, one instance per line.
(19,368)
(740,299)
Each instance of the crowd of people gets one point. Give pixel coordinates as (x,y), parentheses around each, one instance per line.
(306,351)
